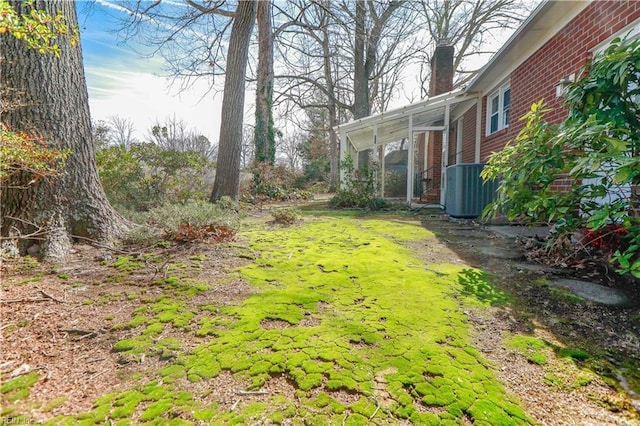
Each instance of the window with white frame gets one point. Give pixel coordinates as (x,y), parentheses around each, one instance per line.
(498,106)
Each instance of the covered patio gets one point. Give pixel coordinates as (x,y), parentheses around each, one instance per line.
(433,115)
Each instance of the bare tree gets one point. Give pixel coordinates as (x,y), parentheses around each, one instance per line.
(248,146)
(366,45)
(121,131)
(334,66)
(190,37)
(370,21)
(101,134)
(73,205)
(203,39)
(289,147)
(466,25)
(176,134)
(317,68)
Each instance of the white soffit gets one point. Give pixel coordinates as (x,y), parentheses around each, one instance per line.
(393,125)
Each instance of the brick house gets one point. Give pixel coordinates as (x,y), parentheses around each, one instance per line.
(466,125)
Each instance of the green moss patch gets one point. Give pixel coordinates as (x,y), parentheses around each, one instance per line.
(339,307)
(376,307)
(536,350)
(127,264)
(18,388)
(476,285)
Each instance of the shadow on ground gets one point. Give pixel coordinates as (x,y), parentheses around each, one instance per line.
(601,338)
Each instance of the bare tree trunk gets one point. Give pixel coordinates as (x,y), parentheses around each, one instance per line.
(264,138)
(365,57)
(333,112)
(47,96)
(227,181)
(360,78)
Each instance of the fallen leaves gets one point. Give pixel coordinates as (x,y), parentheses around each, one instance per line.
(210,233)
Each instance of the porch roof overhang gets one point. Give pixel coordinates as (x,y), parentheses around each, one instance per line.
(393,125)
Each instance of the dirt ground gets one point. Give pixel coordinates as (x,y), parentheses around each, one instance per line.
(57,319)
(611,332)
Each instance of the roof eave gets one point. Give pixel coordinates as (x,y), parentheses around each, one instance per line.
(488,74)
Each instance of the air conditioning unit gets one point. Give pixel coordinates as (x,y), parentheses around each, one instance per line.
(466,194)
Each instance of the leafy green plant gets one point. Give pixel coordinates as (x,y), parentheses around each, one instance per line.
(145,175)
(597,149)
(360,188)
(38,29)
(25,153)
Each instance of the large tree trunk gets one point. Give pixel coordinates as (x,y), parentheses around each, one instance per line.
(361,107)
(264,138)
(365,57)
(334,151)
(47,96)
(360,78)
(227,181)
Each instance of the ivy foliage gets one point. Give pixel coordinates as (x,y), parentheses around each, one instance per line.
(596,150)
(37,28)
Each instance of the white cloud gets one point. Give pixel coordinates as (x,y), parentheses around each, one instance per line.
(112,5)
(144,99)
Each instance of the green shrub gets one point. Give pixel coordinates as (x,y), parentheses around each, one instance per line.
(597,148)
(360,188)
(170,219)
(145,175)
(286,215)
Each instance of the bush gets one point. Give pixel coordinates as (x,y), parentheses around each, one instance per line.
(286,215)
(275,183)
(597,148)
(360,188)
(145,176)
(194,219)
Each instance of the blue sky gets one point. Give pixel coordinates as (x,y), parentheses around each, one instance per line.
(122,83)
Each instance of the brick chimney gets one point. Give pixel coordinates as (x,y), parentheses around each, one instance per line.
(441,70)
(441,82)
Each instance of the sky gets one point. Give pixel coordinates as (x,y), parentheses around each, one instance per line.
(122,83)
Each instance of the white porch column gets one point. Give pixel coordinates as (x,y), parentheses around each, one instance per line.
(381,154)
(478,127)
(445,154)
(343,153)
(374,155)
(410,162)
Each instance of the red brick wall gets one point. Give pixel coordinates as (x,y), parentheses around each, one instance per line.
(469,136)
(420,143)
(453,143)
(566,53)
(434,155)
(441,82)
